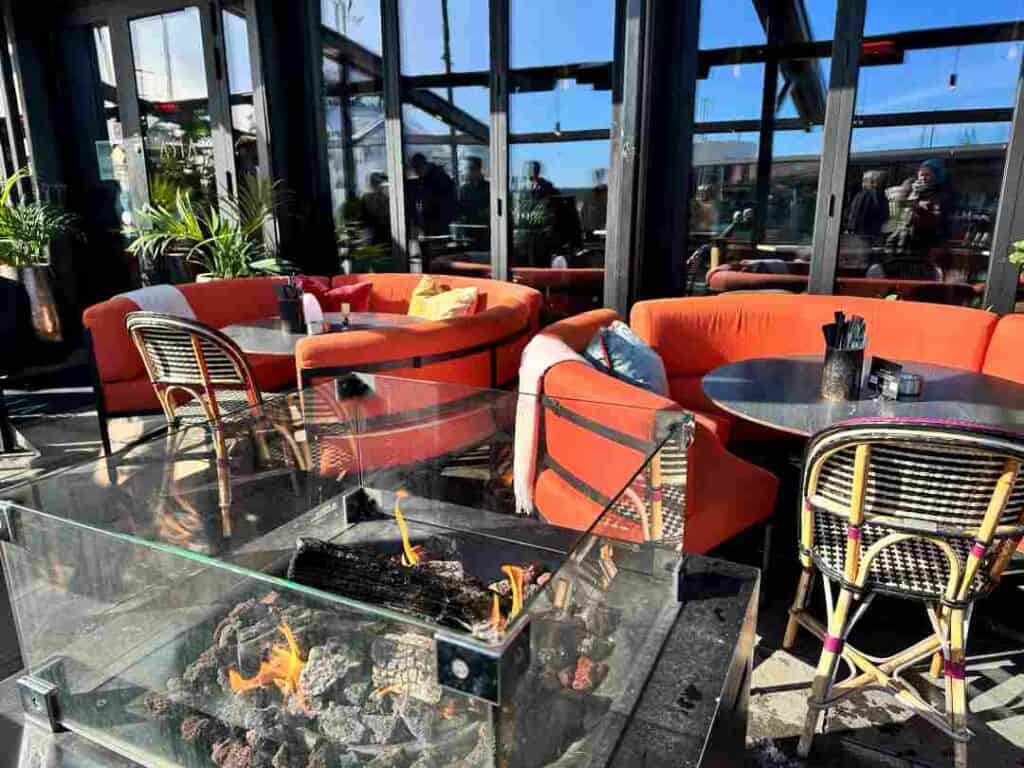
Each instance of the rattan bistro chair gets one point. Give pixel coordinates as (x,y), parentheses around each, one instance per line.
(200,376)
(925,511)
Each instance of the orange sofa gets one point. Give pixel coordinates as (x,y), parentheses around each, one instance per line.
(724,494)
(467,351)
(481,350)
(696,335)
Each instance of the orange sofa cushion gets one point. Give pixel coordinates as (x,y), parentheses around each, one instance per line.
(696,335)
(1003,357)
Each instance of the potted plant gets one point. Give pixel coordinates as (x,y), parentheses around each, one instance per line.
(26,231)
(223,242)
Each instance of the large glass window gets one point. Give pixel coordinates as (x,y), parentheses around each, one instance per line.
(560,111)
(357,20)
(927,154)
(170,77)
(754,178)
(446,134)
(243,111)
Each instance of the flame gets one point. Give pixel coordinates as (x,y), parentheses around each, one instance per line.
(516,576)
(496,622)
(282,670)
(412,554)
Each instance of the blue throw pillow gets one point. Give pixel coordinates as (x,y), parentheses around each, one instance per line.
(623,354)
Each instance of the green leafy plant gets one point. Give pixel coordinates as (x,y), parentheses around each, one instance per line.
(1017,254)
(225,242)
(27,229)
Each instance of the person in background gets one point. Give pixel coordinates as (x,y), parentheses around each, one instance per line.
(923,225)
(433,197)
(869,210)
(376,209)
(475,194)
(540,188)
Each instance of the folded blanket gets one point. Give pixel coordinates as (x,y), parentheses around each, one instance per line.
(165,299)
(540,354)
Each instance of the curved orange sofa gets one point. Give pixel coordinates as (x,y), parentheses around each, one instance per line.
(506,317)
(724,494)
(480,350)
(696,335)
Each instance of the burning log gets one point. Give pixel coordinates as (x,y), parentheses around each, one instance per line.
(372,577)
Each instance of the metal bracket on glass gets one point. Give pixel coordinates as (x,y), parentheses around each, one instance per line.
(7,524)
(39,701)
(486,675)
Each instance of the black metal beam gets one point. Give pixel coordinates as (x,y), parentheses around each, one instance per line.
(890,120)
(835,154)
(393,132)
(444,110)
(453,80)
(1003,277)
(550,137)
(767,134)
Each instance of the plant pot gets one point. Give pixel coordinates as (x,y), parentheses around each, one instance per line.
(38,283)
(206,277)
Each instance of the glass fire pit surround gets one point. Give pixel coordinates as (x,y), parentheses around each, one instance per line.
(354,586)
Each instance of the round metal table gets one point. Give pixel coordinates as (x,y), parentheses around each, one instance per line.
(269,336)
(783,393)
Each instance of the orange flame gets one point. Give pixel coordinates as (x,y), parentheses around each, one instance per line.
(516,576)
(412,554)
(282,670)
(496,622)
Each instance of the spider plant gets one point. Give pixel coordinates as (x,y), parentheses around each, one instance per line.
(27,229)
(1016,256)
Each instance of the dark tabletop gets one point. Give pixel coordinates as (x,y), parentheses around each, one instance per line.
(678,719)
(783,393)
(269,336)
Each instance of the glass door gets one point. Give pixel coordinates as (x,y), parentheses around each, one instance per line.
(180,106)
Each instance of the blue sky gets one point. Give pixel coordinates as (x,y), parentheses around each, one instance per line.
(546,32)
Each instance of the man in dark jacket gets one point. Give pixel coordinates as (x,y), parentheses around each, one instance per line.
(433,198)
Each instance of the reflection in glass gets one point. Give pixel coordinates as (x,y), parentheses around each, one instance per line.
(730,93)
(564,104)
(170,76)
(357,164)
(243,112)
(358,20)
(444,36)
(920,207)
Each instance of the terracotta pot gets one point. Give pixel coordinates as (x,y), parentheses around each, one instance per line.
(38,282)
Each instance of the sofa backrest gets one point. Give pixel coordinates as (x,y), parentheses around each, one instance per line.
(696,335)
(391,291)
(217,303)
(1004,357)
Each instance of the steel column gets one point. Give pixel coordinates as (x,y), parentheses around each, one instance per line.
(501,228)
(393,133)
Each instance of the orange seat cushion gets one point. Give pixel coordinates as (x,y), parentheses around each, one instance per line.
(1003,357)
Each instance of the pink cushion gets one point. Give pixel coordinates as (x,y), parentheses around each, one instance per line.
(318,286)
(357,296)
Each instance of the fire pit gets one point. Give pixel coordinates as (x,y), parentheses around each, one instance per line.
(378,603)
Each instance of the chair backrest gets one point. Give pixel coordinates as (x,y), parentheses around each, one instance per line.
(185,358)
(918,508)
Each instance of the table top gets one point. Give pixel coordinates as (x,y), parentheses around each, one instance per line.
(783,393)
(269,336)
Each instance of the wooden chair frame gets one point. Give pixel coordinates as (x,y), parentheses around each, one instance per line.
(992,545)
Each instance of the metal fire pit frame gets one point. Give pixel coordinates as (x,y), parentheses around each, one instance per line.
(483,674)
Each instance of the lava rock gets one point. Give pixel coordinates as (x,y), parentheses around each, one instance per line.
(198,729)
(232,753)
(326,667)
(387,729)
(159,707)
(343,724)
(201,676)
(356,693)
(390,758)
(419,718)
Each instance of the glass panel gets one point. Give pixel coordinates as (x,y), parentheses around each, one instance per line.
(358,20)
(563,104)
(173,624)
(544,33)
(170,76)
(730,93)
(921,203)
(243,112)
(357,162)
(728,23)
(884,17)
(444,37)
(970,77)
(559,198)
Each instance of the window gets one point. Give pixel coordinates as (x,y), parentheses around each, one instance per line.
(356,20)
(560,111)
(243,111)
(445,56)
(927,153)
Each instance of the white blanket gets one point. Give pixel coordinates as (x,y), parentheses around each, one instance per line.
(161,298)
(540,354)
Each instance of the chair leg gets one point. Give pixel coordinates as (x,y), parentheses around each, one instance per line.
(223,479)
(803,595)
(956,685)
(766,552)
(826,670)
